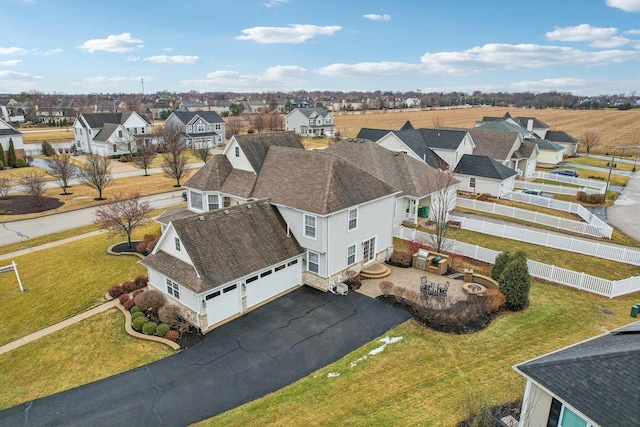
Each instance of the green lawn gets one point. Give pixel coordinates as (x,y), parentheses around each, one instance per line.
(429,377)
(60,282)
(588,161)
(88,351)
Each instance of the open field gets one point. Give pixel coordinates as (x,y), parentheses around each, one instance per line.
(38,135)
(429,377)
(616,128)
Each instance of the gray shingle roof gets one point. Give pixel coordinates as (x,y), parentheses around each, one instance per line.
(209,116)
(107,130)
(172,214)
(5,132)
(524,121)
(309,111)
(496,144)
(599,377)
(560,136)
(504,126)
(97,120)
(411,176)
(372,134)
(212,175)
(545,144)
(483,166)
(316,181)
(253,238)
(255,146)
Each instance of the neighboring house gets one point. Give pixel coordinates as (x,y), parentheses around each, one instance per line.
(531,124)
(341,215)
(159,109)
(198,129)
(506,147)
(432,146)
(110,134)
(592,383)
(310,122)
(562,138)
(7,132)
(419,183)
(258,260)
(9,113)
(549,153)
(482,174)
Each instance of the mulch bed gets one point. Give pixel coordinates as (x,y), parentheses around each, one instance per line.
(190,338)
(124,247)
(20,205)
(495,414)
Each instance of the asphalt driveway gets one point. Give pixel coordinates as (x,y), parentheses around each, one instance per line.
(243,360)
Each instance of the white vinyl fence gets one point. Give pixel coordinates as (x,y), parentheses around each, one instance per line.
(590,183)
(551,188)
(551,273)
(560,205)
(581,246)
(536,217)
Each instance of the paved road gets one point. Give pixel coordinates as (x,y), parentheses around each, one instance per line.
(248,358)
(623,215)
(15,231)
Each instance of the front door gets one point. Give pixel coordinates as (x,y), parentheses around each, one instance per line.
(369,250)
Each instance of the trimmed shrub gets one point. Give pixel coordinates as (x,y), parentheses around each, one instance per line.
(594,199)
(152,244)
(128,305)
(150,301)
(149,328)
(501,262)
(11,156)
(129,286)
(354,282)
(124,298)
(169,314)
(21,163)
(401,258)
(515,282)
(136,314)
(494,300)
(141,281)
(115,291)
(172,335)
(139,322)
(136,309)
(47,149)
(162,329)
(386,287)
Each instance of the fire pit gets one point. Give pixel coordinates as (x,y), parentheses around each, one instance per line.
(474,288)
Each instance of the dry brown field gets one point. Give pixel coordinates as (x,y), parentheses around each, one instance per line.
(617,128)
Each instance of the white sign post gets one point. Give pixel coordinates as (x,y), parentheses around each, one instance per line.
(12,267)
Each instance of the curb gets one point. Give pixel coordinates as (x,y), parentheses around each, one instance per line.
(127,327)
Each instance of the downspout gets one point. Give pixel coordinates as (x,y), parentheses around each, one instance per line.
(327,255)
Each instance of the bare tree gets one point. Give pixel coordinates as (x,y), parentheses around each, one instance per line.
(258,121)
(174,162)
(96,173)
(275,121)
(61,168)
(437,122)
(202,151)
(6,185)
(590,140)
(233,126)
(144,158)
(34,185)
(442,186)
(123,215)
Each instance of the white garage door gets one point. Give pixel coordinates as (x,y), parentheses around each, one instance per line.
(223,303)
(271,282)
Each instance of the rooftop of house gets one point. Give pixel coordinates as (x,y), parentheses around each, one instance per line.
(496,144)
(560,136)
(599,377)
(484,167)
(208,116)
(255,146)
(308,112)
(254,236)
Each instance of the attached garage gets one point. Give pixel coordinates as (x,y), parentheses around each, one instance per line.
(271,282)
(223,303)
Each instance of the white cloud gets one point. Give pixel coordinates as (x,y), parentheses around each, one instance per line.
(370,69)
(281,77)
(579,33)
(561,84)
(12,51)
(376,17)
(11,63)
(12,80)
(274,3)
(113,81)
(293,34)
(506,56)
(113,43)
(133,58)
(626,5)
(176,59)
(168,49)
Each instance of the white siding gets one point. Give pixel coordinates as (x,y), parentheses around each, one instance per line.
(273,284)
(240,162)
(393,143)
(536,407)
(168,245)
(187,297)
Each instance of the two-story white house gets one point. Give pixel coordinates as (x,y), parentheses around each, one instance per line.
(310,122)
(507,147)
(7,135)
(110,134)
(199,129)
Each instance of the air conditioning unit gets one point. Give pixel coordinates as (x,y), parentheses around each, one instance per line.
(342,289)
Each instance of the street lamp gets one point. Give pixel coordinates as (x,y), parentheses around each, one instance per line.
(635,159)
(613,156)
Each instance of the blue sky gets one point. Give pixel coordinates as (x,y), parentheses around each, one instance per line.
(587,47)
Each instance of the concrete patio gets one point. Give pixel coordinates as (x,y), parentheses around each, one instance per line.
(409,278)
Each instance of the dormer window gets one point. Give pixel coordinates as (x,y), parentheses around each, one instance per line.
(177,241)
(237,151)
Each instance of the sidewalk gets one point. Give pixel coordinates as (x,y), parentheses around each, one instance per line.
(54,328)
(49,245)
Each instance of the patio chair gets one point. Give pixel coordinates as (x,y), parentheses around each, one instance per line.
(442,290)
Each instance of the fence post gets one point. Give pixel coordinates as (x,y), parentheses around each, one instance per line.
(624,254)
(475,254)
(581,280)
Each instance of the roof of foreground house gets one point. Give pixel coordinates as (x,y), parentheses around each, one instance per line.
(484,167)
(316,181)
(253,235)
(599,377)
(407,174)
(496,144)
(255,146)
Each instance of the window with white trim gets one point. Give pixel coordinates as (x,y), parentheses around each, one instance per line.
(190,128)
(568,418)
(237,150)
(313,262)
(177,242)
(213,202)
(200,128)
(351,254)
(369,249)
(353,219)
(310,226)
(196,200)
(472,182)
(173,289)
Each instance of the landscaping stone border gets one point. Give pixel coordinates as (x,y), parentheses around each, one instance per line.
(111,252)
(127,326)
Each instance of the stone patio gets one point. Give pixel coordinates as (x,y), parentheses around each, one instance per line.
(410,278)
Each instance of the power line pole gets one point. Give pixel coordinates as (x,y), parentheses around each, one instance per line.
(142,83)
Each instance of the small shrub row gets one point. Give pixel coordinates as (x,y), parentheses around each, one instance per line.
(594,199)
(129,286)
(150,301)
(124,298)
(147,244)
(128,305)
(401,258)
